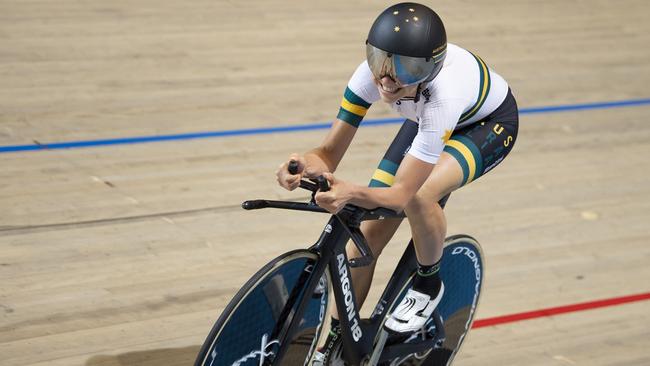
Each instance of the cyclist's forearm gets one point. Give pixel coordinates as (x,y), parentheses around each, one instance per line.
(409,178)
(327,156)
(394,198)
(319,160)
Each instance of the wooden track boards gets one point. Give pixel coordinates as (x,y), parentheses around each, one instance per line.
(125,255)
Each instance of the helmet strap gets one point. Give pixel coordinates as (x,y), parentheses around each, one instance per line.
(417,93)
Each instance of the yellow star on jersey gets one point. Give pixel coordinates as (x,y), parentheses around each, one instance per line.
(446,136)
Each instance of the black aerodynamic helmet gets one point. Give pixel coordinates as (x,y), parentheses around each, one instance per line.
(408,43)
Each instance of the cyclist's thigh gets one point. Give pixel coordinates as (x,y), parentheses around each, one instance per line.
(480,147)
(472,151)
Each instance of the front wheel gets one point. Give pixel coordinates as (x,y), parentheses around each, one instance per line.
(244,334)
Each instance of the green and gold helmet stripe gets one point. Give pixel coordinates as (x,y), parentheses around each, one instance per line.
(353,108)
(484,89)
(439,53)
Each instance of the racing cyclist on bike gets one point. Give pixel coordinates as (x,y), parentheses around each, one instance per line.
(461,121)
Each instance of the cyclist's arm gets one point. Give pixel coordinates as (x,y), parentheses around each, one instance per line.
(359,95)
(328,155)
(410,176)
(436,126)
(357,98)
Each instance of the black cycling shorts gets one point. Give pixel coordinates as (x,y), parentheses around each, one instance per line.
(478,147)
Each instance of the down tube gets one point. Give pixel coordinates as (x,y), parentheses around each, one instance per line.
(354,342)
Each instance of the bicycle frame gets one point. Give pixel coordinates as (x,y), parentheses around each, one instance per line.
(357,336)
(363,341)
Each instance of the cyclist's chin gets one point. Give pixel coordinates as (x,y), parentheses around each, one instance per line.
(388,97)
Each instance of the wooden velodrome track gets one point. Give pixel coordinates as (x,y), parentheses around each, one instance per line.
(125,254)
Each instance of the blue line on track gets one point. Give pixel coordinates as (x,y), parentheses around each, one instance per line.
(294,128)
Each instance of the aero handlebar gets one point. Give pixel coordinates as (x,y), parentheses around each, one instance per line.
(351,215)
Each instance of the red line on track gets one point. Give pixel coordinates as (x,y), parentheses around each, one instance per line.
(487,322)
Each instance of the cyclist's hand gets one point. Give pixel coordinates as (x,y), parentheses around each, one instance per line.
(287,180)
(337,197)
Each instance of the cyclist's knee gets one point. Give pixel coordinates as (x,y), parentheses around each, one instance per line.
(425,204)
(432,192)
(420,203)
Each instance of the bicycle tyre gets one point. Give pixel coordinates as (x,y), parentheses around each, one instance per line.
(240,335)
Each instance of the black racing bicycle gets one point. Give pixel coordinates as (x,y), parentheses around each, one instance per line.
(279,316)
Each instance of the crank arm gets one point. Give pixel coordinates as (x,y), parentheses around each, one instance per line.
(378,349)
(404,349)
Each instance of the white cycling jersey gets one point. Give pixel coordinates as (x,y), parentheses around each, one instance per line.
(465,91)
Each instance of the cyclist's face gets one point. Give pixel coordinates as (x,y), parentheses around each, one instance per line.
(390,91)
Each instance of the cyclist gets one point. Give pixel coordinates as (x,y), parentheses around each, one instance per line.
(461,121)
